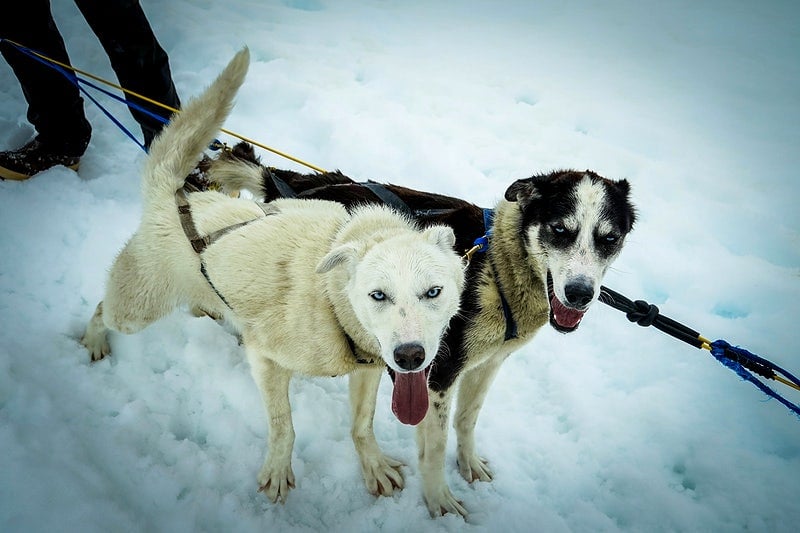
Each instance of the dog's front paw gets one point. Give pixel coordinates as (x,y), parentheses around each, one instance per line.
(474,468)
(276,480)
(382,475)
(441,501)
(95,338)
(96,344)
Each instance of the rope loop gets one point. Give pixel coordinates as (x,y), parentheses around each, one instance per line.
(644,314)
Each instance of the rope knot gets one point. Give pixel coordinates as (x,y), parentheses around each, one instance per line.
(644,314)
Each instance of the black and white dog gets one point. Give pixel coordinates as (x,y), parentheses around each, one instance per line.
(548,245)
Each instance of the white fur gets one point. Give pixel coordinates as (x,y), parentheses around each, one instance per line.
(296,283)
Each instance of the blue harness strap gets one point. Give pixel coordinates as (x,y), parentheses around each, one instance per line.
(482,242)
(488,221)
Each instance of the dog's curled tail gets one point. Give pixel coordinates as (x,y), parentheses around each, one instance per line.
(176,150)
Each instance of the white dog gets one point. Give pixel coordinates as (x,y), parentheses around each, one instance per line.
(311,287)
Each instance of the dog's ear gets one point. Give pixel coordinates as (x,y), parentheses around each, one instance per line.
(620,192)
(622,187)
(522,191)
(345,254)
(442,236)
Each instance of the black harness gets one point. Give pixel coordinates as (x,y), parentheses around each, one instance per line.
(284,189)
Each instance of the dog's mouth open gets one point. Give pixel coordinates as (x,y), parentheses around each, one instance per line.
(410,395)
(563,318)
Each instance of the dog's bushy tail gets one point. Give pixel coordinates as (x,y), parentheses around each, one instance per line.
(235,174)
(176,150)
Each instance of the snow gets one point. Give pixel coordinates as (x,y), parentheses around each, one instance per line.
(612,428)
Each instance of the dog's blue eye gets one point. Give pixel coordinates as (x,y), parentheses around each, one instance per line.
(378,296)
(558,228)
(611,238)
(433,292)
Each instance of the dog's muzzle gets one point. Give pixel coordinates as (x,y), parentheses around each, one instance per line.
(567,317)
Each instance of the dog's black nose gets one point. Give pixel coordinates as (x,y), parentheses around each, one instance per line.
(578,294)
(409,356)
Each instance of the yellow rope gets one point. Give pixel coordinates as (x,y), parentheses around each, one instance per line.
(164,106)
(785,381)
(274,151)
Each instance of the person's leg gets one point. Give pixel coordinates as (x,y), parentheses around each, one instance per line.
(55,108)
(136,56)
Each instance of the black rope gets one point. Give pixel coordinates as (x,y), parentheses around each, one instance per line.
(646,314)
(737,359)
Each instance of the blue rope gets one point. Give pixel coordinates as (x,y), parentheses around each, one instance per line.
(74,79)
(722,351)
(107,113)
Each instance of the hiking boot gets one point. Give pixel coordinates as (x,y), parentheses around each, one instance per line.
(22,163)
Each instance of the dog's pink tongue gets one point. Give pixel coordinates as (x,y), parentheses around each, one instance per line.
(410,397)
(565,316)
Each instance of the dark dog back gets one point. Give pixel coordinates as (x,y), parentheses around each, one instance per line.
(428,208)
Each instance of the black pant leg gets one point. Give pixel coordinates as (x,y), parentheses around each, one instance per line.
(55,107)
(139,61)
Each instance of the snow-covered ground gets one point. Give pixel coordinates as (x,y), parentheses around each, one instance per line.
(612,428)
